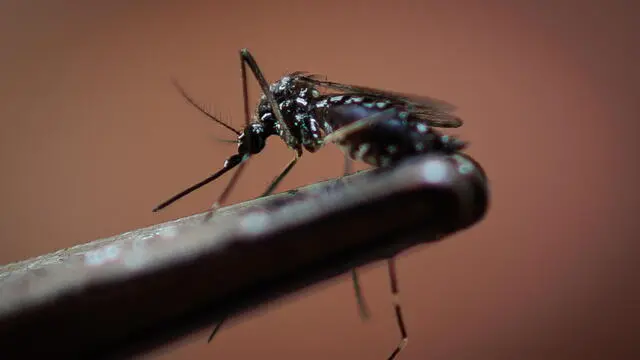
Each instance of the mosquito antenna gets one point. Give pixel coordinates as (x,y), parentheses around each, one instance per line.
(232,162)
(200,108)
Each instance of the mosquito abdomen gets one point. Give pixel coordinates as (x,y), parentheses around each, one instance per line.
(388,141)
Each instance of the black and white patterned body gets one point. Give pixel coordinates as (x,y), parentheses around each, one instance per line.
(311,116)
(296,101)
(375,126)
(385,142)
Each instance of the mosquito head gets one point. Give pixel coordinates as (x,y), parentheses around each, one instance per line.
(253,139)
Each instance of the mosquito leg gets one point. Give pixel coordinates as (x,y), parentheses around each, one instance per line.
(248,59)
(348,165)
(232,182)
(215,329)
(267,192)
(359,125)
(225,193)
(363,309)
(391,263)
(247,119)
(279,178)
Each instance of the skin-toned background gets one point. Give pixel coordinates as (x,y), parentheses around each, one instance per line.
(93,135)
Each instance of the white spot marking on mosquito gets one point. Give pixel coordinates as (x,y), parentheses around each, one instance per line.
(336,98)
(284,82)
(421,128)
(368,105)
(392,149)
(357,99)
(381,104)
(435,171)
(403,115)
(328,127)
(464,165)
(321,103)
(348,101)
(315,93)
(362,150)
(301,101)
(257,128)
(255,223)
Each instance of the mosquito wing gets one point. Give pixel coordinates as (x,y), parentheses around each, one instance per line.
(432,111)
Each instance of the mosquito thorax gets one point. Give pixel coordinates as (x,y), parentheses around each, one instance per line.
(296,103)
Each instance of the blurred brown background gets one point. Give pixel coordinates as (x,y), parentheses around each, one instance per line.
(93,136)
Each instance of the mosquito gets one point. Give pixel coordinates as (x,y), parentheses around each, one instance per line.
(377,127)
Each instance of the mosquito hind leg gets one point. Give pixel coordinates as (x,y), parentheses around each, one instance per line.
(358,125)
(393,279)
(363,309)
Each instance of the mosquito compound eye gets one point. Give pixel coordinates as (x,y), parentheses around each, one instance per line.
(252,140)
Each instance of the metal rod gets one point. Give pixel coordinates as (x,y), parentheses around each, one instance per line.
(130,293)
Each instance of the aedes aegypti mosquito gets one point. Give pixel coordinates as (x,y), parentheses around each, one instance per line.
(375,126)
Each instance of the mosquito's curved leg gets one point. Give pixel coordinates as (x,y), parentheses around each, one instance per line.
(358,125)
(393,279)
